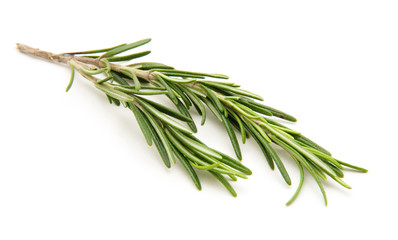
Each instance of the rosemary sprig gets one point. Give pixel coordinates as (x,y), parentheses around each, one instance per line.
(236,108)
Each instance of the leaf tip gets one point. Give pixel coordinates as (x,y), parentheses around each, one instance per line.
(292,119)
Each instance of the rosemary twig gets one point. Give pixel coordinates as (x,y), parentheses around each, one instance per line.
(236,108)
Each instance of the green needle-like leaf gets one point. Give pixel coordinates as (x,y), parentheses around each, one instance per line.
(72,76)
(170,92)
(115,93)
(160,139)
(300,185)
(149,65)
(117,78)
(239,109)
(197,74)
(308,142)
(92,71)
(162,117)
(261,142)
(177,80)
(127,90)
(131,75)
(182,75)
(257,108)
(227,159)
(214,99)
(206,167)
(240,124)
(285,130)
(167,110)
(278,162)
(180,106)
(232,136)
(124,48)
(197,103)
(128,57)
(142,122)
(96,51)
(224,182)
(187,153)
(274,112)
(235,90)
(161,149)
(222,168)
(213,109)
(185,163)
(335,169)
(193,145)
(353,167)
(240,128)
(182,95)
(234,163)
(325,156)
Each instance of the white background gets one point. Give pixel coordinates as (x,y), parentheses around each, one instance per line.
(74,167)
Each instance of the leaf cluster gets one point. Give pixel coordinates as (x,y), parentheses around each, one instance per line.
(239,111)
(161,126)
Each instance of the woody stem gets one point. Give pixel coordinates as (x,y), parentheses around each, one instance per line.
(65,58)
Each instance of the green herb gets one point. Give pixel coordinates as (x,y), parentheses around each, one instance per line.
(236,108)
